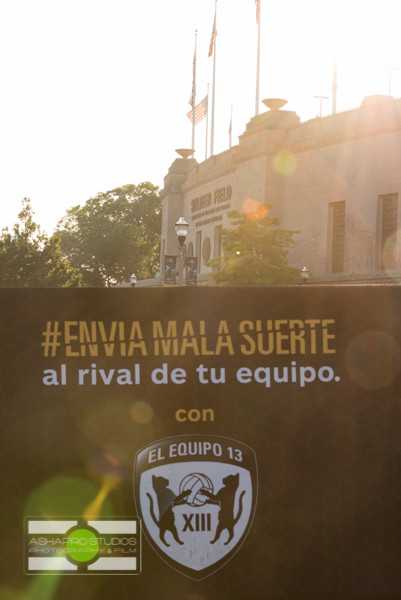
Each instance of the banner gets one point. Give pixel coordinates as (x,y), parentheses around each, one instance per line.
(191,270)
(170,269)
(201,443)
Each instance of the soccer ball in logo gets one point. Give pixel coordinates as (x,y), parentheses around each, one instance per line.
(195,483)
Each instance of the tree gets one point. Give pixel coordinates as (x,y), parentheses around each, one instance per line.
(255,251)
(114,234)
(28,257)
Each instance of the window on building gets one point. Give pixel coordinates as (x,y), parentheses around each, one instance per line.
(206,249)
(337,236)
(388,207)
(217,241)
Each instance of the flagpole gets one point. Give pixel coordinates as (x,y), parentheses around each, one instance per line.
(334,96)
(194,93)
(334,84)
(207,121)
(213,99)
(230,127)
(214,33)
(258,3)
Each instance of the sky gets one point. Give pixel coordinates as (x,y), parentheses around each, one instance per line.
(94,93)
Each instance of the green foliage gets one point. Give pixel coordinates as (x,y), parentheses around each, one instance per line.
(255,252)
(113,235)
(29,258)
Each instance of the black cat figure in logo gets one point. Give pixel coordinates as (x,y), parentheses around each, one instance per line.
(166,500)
(225,498)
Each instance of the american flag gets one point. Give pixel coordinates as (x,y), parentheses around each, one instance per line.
(200,111)
(191,98)
(213,38)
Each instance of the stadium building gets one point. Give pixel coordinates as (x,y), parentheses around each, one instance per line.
(336,180)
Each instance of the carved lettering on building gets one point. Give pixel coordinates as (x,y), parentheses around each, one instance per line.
(201,202)
(205,200)
(222,194)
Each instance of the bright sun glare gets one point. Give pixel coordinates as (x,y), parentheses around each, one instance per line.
(366,46)
(75,127)
(360,36)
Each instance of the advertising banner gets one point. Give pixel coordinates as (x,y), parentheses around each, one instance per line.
(191,270)
(201,443)
(170,269)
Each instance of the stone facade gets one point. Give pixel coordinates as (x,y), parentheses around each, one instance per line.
(336,180)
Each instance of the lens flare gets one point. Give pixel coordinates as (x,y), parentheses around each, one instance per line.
(64,495)
(285,163)
(104,463)
(253,210)
(7,593)
(44,588)
(373,360)
(39,588)
(141,412)
(94,509)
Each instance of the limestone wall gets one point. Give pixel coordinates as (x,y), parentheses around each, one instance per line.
(300,169)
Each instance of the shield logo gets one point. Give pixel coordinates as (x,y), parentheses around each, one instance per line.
(196,495)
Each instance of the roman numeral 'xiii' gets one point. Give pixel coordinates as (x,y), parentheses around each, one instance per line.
(203,522)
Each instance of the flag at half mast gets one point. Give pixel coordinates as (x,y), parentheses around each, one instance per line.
(200,111)
(193,90)
(213,37)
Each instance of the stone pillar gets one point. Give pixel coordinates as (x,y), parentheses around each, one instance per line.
(172,197)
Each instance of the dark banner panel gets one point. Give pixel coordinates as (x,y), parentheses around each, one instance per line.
(170,269)
(191,270)
(201,443)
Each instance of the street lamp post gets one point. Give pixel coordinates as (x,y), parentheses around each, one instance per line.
(181,229)
(305,274)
